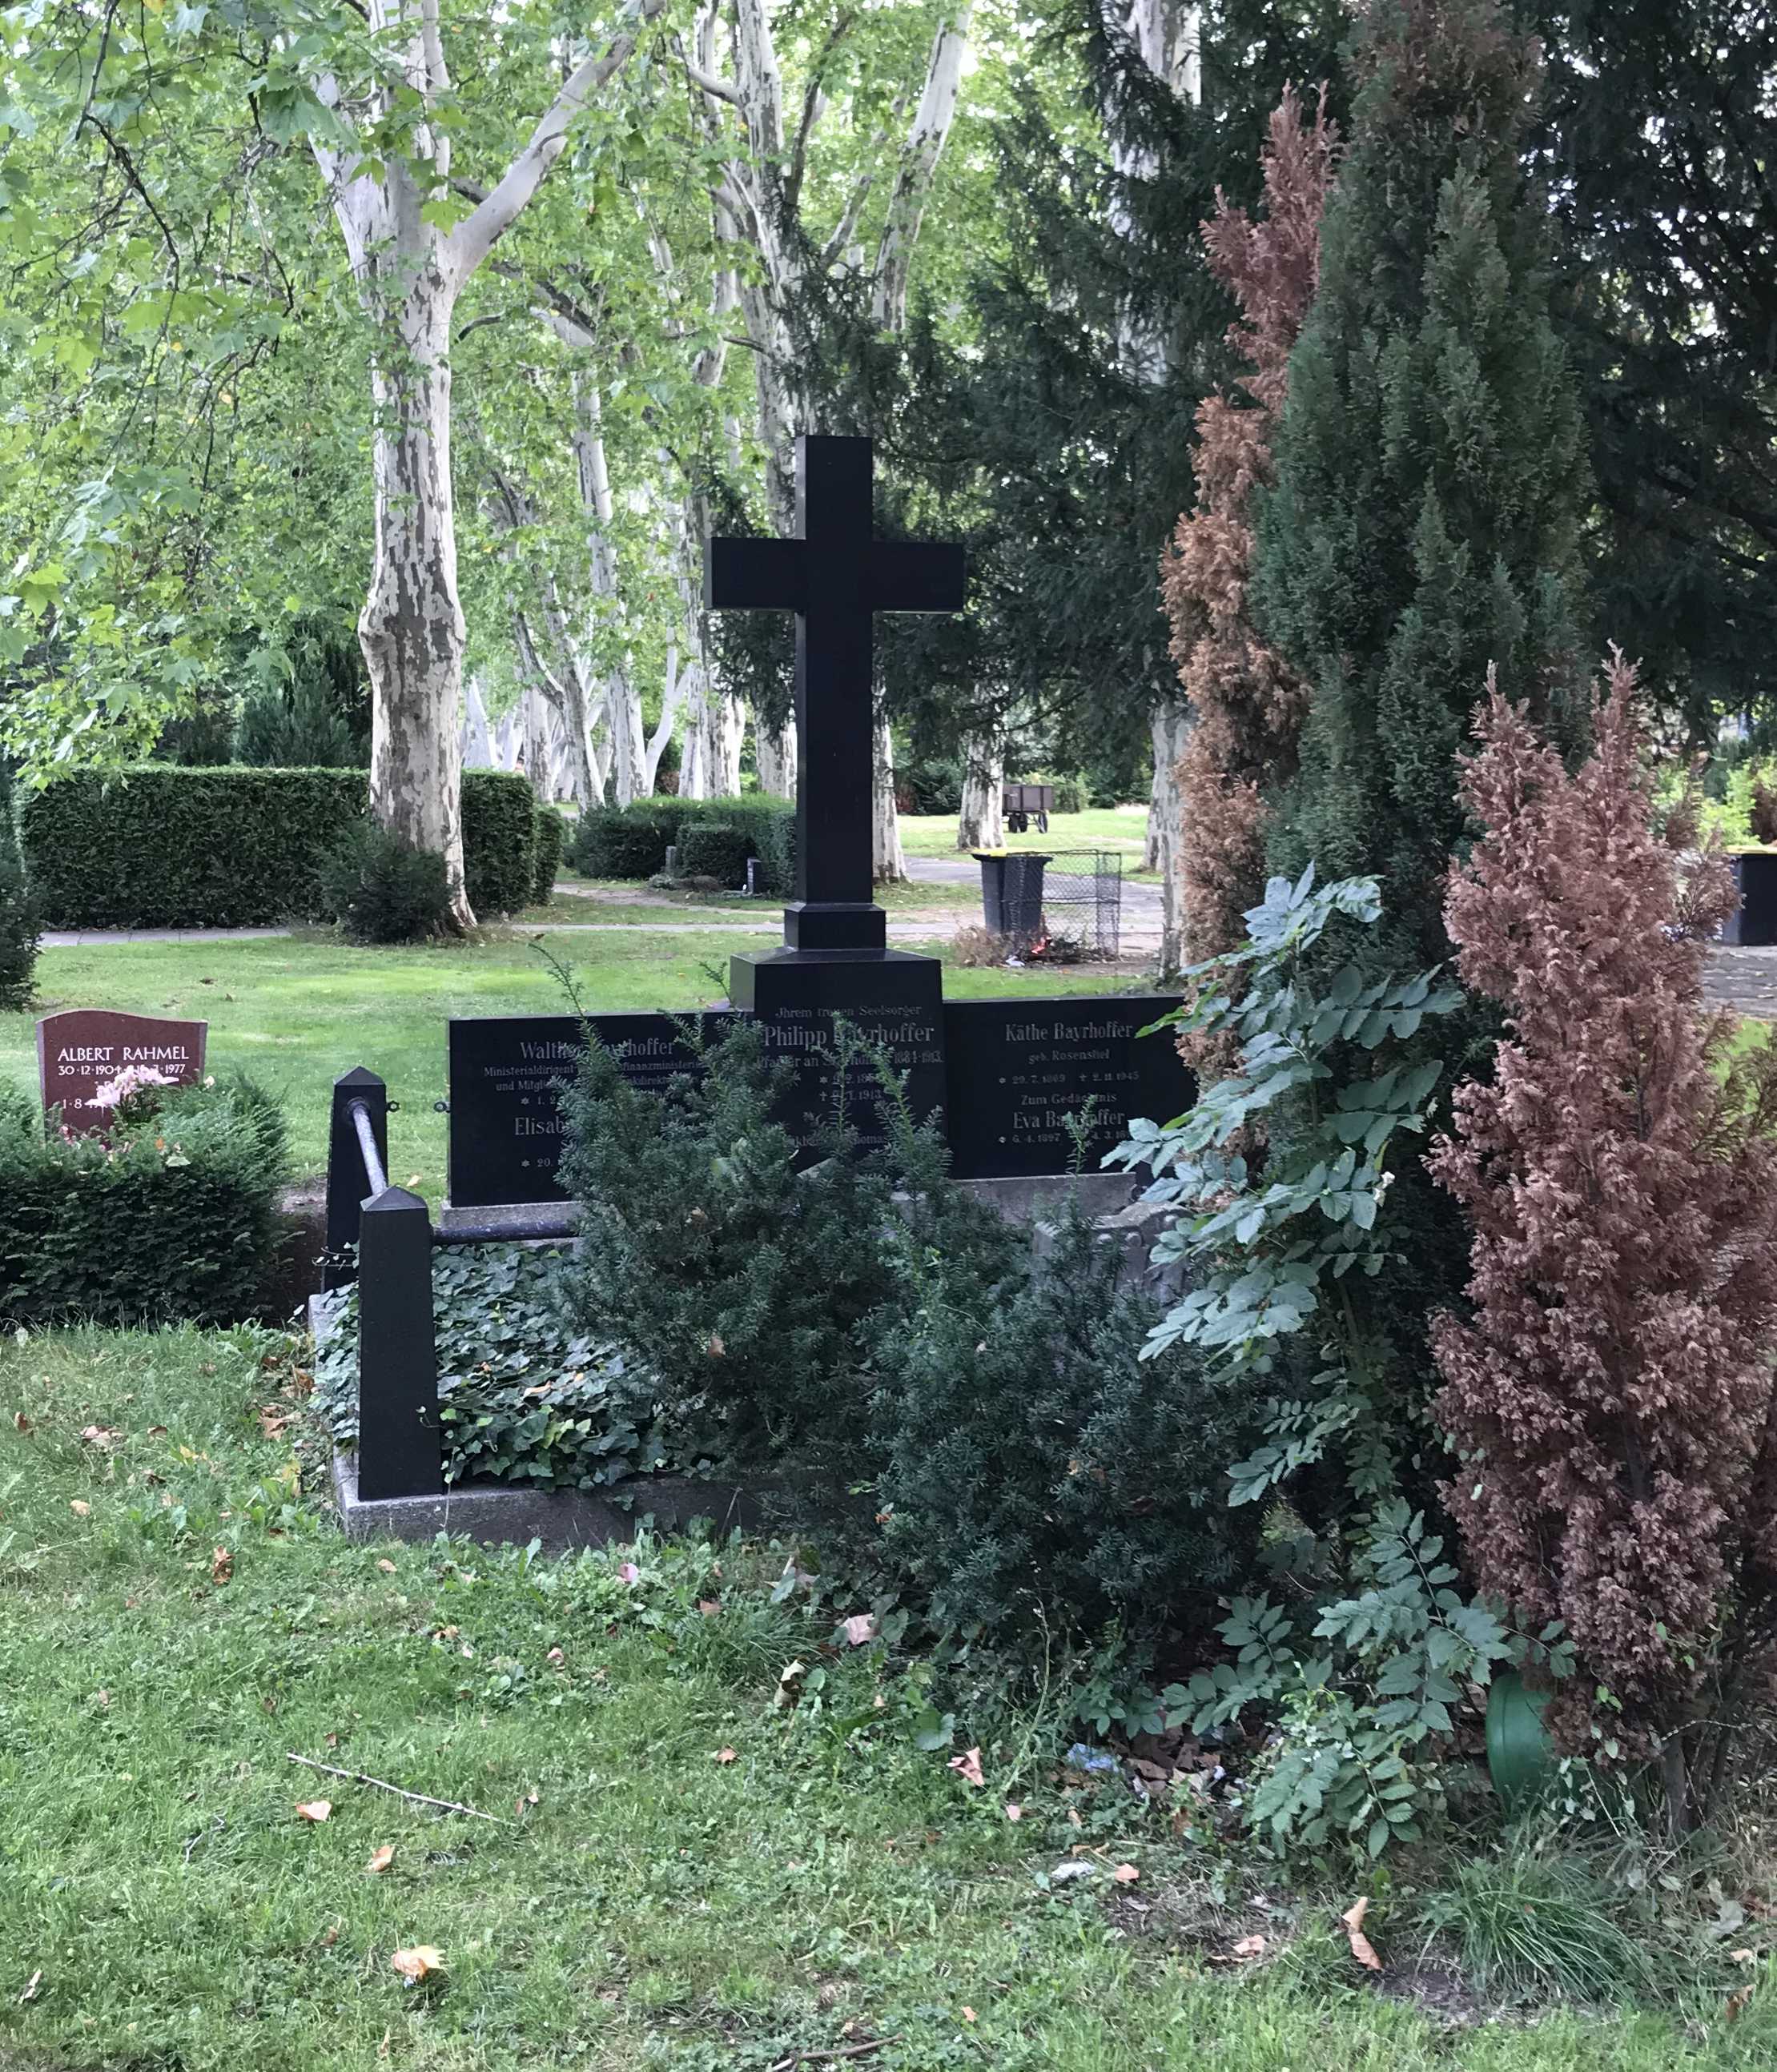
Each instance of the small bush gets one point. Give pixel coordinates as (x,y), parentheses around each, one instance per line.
(18,911)
(380,891)
(631,841)
(236,847)
(176,1220)
(300,728)
(1034,1462)
(713,848)
(551,832)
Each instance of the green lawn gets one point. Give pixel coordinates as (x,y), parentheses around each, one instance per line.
(642,1902)
(1122,828)
(296,1011)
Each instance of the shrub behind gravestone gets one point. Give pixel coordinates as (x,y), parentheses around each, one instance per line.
(551,832)
(177,1220)
(18,910)
(381,891)
(713,849)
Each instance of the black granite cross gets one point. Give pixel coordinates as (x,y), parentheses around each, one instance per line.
(835,578)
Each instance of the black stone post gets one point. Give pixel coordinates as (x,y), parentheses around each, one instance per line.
(834,578)
(400,1450)
(349,1185)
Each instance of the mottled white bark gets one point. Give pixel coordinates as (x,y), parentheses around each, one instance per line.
(1169,728)
(757,203)
(888,864)
(409,273)
(981,823)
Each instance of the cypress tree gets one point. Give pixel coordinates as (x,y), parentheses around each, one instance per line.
(1424,520)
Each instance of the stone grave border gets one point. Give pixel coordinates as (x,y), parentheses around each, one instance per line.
(392,1485)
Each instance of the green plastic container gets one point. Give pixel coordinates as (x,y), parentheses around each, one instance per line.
(1519,1760)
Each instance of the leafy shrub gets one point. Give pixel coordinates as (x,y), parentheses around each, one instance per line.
(522,1395)
(930,784)
(1034,1463)
(713,848)
(737,1278)
(551,832)
(297,728)
(176,1218)
(1070,794)
(1763,813)
(631,841)
(235,848)
(18,910)
(499,840)
(380,891)
(1280,1259)
(1613,1389)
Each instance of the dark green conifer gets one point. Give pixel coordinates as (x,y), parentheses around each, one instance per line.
(18,909)
(1425,520)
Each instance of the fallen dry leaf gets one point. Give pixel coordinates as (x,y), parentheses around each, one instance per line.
(22,1423)
(105,1435)
(708,1606)
(419,1962)
(1249,1947)
(1073,1817)
(332,1937)
(272,1421)
(968,1767)
(724,1755)
(383,1857)
(628,1572)
(80,1506)
(860,1629)
(1353,1919)
(1013,1812)
(555,1658)
(1126,1874)
(968,2014)
(157,1431)
(1736,2005)
(314,1810)
(1743,1956)
(32,1984)
(387,1566)
(716,1347)
(221,1565)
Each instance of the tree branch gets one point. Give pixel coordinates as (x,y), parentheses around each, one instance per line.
(814,103)
(476,236)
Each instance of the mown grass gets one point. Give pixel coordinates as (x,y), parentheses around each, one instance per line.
(1123,828)
(641,1903)
(299,1010)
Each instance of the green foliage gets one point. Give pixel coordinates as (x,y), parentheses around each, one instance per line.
(551,833)
(1357,1763)
(381,891)
(1524,1927)
(173,1217)
(18,909)
(158,846)
(631,841)
(1430,468)
(297,728)
(1034,1464)
(523,1397)
(738,1277)
(713,849)
(1273,1248)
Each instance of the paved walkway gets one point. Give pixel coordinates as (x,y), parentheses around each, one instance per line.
(90,939)
(1745,980)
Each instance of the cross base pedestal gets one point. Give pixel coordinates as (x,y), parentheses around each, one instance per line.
(835,924)
(891,999)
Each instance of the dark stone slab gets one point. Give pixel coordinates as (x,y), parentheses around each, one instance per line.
(891,998)
(79,1049)
(1018,1069)
(1753,924)
(506,1071)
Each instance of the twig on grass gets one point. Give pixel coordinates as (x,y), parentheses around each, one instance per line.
(831,2057)
(413,1797)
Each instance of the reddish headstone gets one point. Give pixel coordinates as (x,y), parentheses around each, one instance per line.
(78,1051)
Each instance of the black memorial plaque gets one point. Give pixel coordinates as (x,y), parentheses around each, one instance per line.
(1018,1069)
(506,1126)
(892,1001)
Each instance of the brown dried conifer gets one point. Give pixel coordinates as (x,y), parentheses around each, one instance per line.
(1612,1396)
(1248,706)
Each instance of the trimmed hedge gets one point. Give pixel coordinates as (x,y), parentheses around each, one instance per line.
(631,841)
(551,834)
(158,846)
(713,849)
(178,1219)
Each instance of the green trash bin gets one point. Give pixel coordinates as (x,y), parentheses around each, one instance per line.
(1519,1760)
